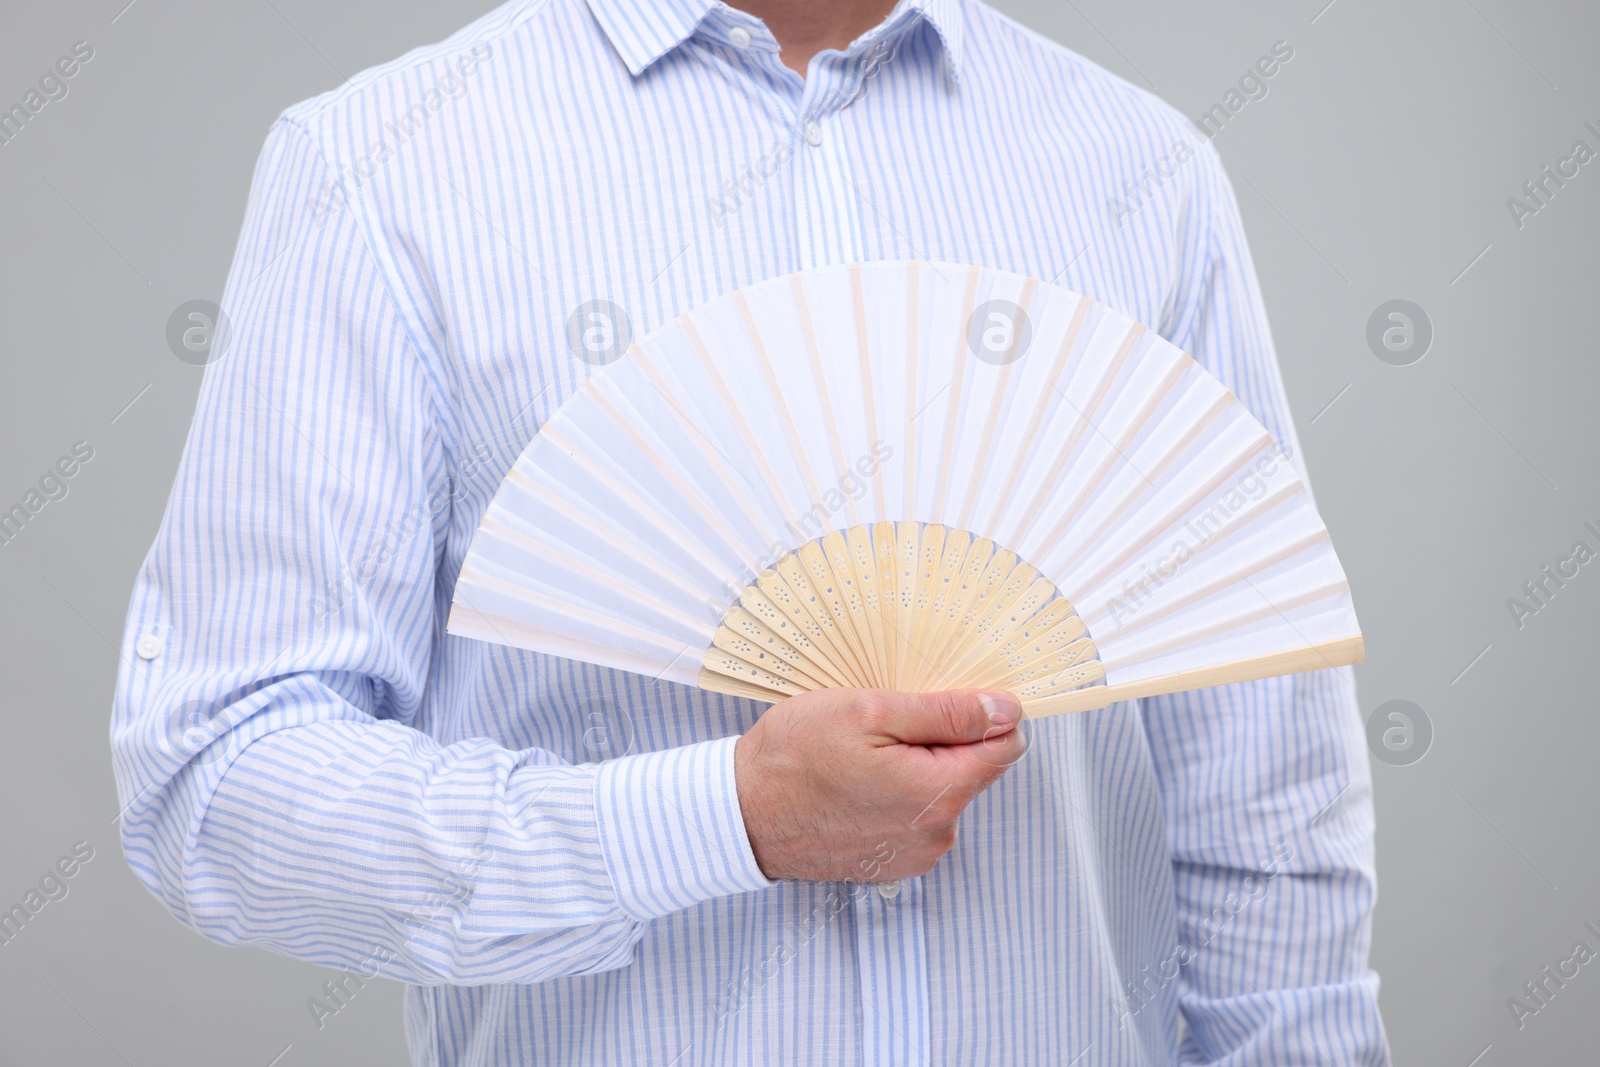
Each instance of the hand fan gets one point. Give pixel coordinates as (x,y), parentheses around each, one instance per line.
(916,476)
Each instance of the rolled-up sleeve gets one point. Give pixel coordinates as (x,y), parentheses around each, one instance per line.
(1266,785)
(278,784)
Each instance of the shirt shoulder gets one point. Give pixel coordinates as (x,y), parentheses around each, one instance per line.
(1099,104)
(429,66)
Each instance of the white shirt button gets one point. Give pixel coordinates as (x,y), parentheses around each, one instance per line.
(740,37)
(888,890)
(148,647)
(813,134)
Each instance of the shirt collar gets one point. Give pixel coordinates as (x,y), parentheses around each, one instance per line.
(642,31)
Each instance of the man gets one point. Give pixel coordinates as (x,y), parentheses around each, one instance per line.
(571,865)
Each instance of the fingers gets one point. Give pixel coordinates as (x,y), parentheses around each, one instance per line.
(974,767)
(953,717)
(839,772)
(999,749)
(948,778)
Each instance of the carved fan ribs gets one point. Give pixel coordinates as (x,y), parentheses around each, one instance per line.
(900,606)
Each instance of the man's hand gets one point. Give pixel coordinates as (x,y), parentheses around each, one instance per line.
(867,784)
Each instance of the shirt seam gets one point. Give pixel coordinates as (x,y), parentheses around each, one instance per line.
(432,386)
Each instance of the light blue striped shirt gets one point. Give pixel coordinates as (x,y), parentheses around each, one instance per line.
(551,854)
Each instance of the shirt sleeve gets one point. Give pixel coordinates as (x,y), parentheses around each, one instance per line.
(1266,784)
(278,784)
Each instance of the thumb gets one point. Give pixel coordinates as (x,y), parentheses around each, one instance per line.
(952,717)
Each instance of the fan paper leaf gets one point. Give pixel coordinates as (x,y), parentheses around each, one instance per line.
(910,475)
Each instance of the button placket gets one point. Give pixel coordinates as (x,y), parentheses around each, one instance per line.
(891,949)
(826,211)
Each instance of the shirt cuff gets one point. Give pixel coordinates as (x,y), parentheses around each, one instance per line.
(671,831)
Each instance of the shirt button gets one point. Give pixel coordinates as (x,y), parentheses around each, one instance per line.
(888,890)
(149,646)
(740,37)
(813,134)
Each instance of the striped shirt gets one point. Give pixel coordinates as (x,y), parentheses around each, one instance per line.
(551,854)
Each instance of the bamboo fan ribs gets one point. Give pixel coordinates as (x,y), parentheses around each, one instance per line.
(913,608)
(917,476)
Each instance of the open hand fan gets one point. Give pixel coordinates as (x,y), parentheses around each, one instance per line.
(916,476)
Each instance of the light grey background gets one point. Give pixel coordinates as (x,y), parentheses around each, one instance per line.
(1377,167)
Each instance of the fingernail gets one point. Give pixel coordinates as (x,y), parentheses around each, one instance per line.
(1002,710)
